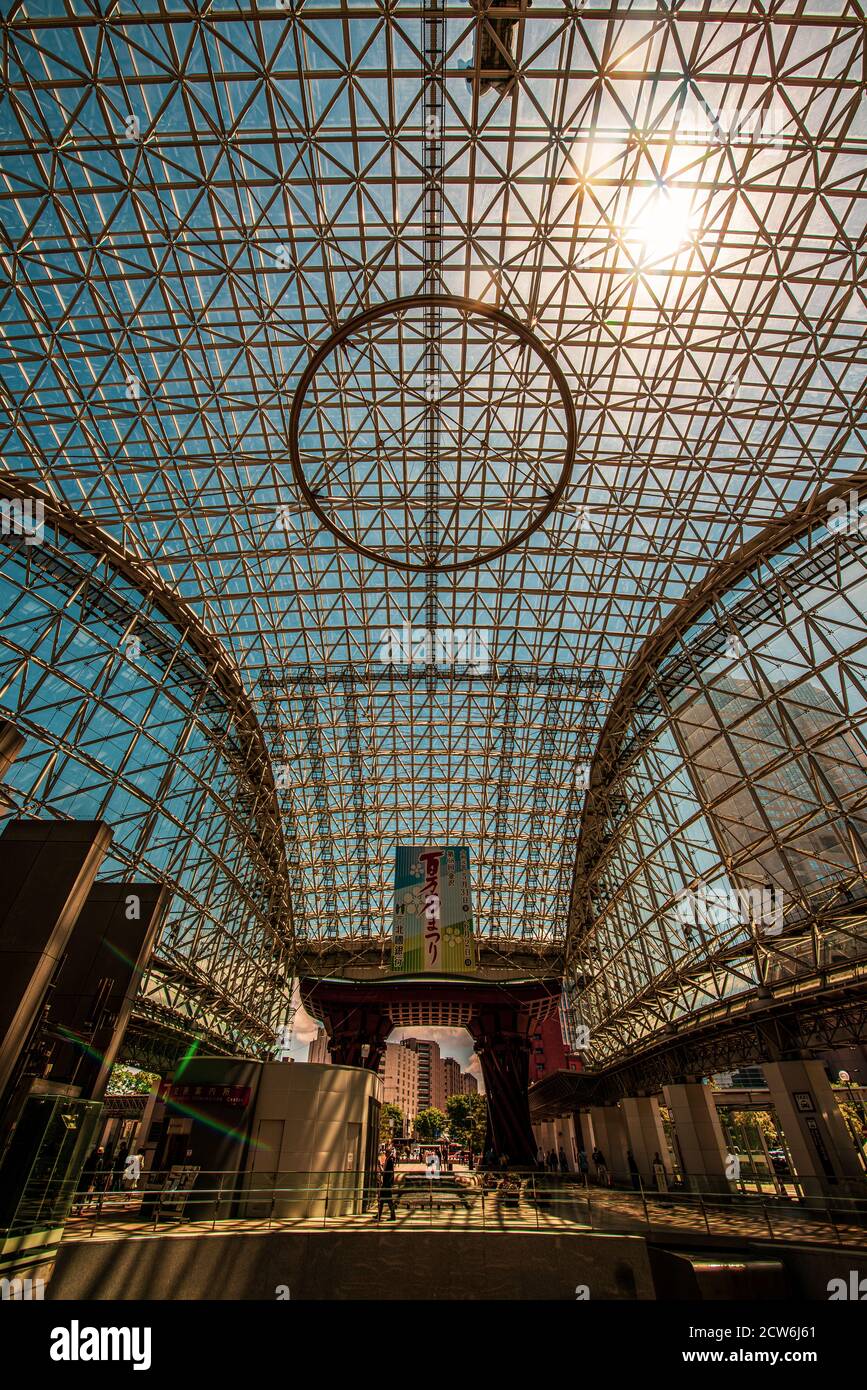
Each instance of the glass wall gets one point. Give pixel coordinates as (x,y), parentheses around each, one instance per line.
(126,721)
(725,840)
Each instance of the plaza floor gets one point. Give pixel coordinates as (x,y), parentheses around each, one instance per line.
(570,1208)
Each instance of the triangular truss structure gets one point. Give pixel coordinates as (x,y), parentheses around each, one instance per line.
(193,196)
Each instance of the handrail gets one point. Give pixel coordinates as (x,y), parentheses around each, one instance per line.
(533,1201)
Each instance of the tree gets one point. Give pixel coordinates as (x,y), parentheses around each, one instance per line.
(430,1123)
(390,1122)
(761,1119)
(854,1117)
(129,1081)
(468,1119)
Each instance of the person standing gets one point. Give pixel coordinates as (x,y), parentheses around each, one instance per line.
(564,1162)
(90,1176)
(659,1174)
(118,1166)
(552,1161)
(633,1169)
(601,1167)
(583,1165)
(386,1185)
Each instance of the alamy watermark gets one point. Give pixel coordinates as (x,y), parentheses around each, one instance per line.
(845,514)
(439,646)
(22,517)
(19,1290)
(695,125)
(77,1343)
(853,1289)
(722,907)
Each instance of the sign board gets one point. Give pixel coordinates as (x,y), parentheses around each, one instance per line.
(199,1094)
(177,1187)
(433,924)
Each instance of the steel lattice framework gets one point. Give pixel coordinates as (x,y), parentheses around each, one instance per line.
(194,196)
(723,852)
(130,715)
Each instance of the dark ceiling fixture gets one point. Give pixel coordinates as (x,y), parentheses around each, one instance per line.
(494,59)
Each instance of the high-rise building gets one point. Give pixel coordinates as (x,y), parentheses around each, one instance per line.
(451,1077)
(742,1079)
(548,1051)
(469,1084)
(399,1068)
(318,1049)
(431,1089)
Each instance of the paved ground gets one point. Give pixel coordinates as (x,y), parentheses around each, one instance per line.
(568,1207)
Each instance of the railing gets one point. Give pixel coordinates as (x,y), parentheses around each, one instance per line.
(528,1201)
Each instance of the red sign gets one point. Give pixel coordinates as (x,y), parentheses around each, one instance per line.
(221,1095)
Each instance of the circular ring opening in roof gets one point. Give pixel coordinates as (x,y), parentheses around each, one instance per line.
(432,433)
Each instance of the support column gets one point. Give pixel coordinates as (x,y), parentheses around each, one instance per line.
(700,1139)
(93,998)
(47,869)
(583,1136)
(566,1136)
(11,743)
(819,1141)
(505,1063)
(646,1134)
(609,1135)
(354,1029)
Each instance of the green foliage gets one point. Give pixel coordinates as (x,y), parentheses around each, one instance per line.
(430,1123)
(758,1119)
(467,1120)
(390,1122)
(853,1113)
(129,1081)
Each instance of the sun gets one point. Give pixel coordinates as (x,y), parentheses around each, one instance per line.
(663,224)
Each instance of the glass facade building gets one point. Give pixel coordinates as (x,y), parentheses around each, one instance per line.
(725,837)
(129,717)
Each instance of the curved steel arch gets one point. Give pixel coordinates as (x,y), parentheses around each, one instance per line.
(762,914)
(164,292)
(178,995)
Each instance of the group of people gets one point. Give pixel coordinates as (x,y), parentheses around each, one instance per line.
(597,1158)
(555,1162)
(104,1172)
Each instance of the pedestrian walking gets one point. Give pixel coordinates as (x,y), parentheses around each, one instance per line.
(601,1167)
(386,1185)
(633,1169)
(118,1166)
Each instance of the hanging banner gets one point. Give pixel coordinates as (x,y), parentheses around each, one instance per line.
(433,925)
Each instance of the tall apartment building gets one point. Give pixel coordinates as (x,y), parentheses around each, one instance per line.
(548,1051)
(431,1088)
(469,1084)
(318,1049)
(451,1077)
(399,1069)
